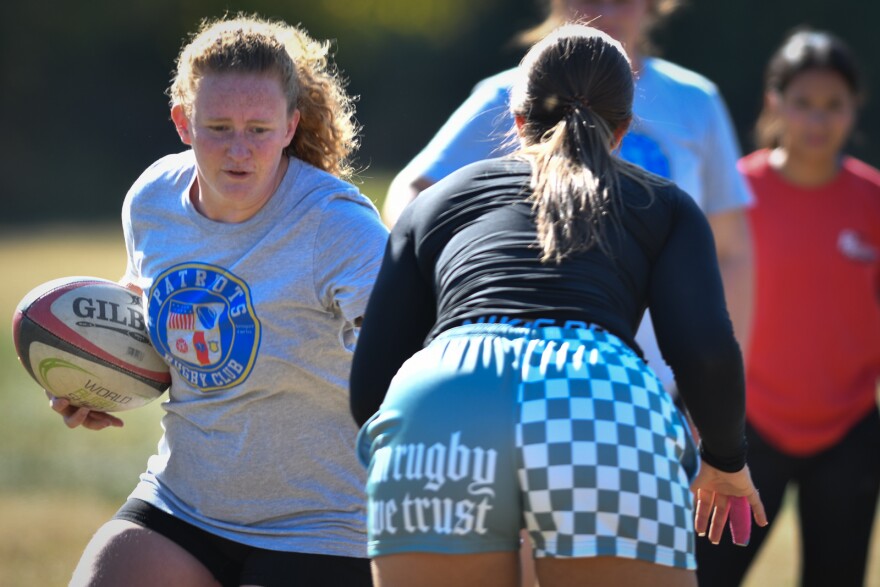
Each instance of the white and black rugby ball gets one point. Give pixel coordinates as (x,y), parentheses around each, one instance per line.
(85,339)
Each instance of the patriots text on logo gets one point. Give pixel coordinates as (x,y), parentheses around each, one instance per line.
(202,320)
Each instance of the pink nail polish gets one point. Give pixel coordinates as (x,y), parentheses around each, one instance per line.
(740,521)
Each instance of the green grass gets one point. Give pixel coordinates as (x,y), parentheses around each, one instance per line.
(58,485)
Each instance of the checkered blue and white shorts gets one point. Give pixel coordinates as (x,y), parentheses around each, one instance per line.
(563,431)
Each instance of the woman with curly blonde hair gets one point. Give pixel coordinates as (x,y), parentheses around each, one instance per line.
(327,130)
(253,294)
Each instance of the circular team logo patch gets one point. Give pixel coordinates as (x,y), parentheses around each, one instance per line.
(201,319)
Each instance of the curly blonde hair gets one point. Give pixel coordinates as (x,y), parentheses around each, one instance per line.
(327,135)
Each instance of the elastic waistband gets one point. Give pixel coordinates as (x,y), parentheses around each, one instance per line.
(539,329)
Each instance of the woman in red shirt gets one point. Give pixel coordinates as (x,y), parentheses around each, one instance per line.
(814,362)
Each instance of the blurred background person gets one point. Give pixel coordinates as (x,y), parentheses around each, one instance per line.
(681,130)
(814,362)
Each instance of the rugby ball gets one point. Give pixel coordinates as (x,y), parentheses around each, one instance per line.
(85,339)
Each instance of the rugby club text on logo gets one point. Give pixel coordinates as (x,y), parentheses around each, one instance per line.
(202,320)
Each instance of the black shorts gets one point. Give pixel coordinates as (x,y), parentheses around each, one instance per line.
(234,564)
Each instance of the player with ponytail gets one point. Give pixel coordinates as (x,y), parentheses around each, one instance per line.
(497,378)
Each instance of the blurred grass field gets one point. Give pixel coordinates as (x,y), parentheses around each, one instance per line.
(58,485)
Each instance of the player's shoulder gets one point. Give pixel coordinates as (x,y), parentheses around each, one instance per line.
(494,170)
(308,178)
(171,172)
(334,196)
(653,203)
(171,165)
(499,82)
(468,187)
(755,164)
(684,79)
(862,172)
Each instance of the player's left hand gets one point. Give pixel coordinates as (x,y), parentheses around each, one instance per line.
(714,491)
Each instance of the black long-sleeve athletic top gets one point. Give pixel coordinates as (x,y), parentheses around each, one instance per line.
(467,248)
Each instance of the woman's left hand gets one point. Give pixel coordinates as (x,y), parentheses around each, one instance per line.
(713,490)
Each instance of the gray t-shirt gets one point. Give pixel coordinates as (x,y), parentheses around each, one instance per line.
(256,320)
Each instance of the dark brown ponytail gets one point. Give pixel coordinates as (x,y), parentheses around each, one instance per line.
(574,100)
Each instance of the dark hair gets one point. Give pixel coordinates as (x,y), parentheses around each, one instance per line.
(574,93)
(804,50)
